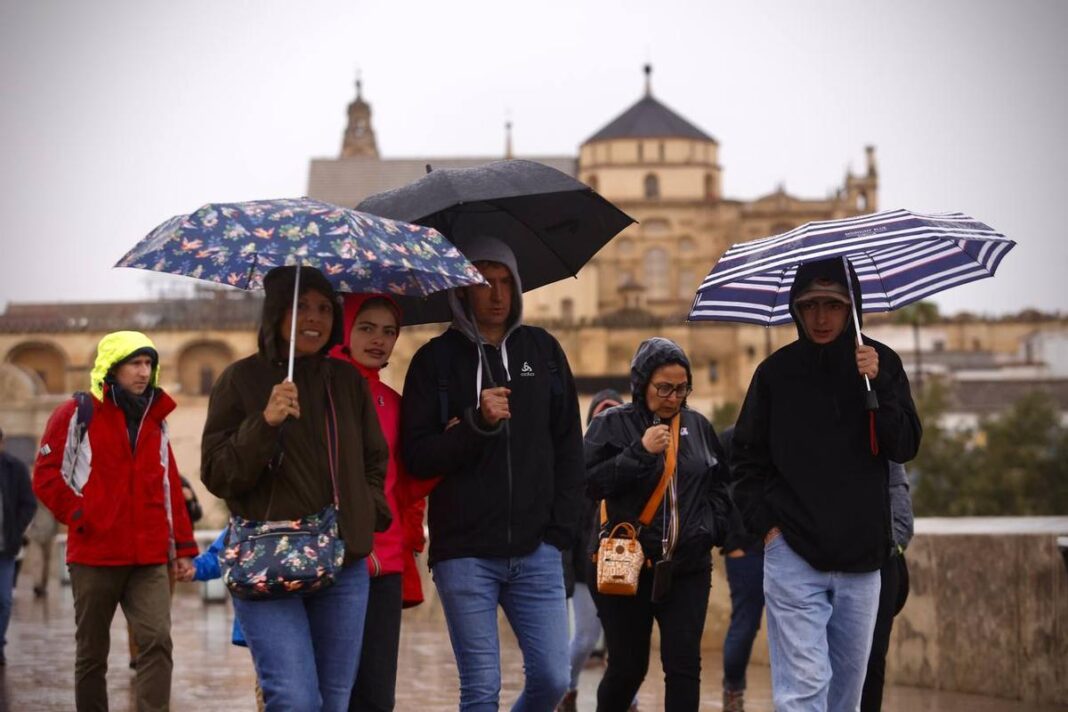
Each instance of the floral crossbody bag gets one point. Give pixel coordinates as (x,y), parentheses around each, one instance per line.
(289,557)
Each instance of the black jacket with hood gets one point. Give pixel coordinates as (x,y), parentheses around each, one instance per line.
(240,451)
(802,446)
(484,507)
(622,472)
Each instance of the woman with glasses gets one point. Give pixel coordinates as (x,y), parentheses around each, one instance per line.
(656,450)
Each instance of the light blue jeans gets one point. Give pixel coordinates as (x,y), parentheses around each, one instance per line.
(820,627)
(306,649)
(530,589)
(587,630)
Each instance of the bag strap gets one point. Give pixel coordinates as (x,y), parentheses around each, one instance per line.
(332,445)
(670,462)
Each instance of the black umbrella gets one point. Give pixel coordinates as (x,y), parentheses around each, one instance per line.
(553,223)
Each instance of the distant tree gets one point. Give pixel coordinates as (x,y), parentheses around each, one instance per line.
(1024,469)
(918,314)
(943,469)
(1015,464)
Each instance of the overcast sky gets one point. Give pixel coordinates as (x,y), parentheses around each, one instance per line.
(117,115)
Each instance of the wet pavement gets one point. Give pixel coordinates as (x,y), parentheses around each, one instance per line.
(211,674)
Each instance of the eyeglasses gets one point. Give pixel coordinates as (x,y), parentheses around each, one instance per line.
(666,389)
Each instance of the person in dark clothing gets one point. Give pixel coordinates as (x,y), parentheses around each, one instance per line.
(587,630)
(626,450)
(17,505)
(894,577)
(812,464)
(743,557)
(266,451)
(491,408)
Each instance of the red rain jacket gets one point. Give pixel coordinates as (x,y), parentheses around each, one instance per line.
(394,549)
(130,510)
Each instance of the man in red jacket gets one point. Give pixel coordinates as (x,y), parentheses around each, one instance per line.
(106,470)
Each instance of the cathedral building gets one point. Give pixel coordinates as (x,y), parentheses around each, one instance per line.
(662,170)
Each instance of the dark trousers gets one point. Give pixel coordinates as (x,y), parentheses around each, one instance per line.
(892,596)
(745,576)
(376,680)
(628,625)
(144,594)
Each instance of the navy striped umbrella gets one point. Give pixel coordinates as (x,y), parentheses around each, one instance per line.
(899,256)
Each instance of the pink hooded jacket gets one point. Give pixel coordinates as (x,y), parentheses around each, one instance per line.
(394,549)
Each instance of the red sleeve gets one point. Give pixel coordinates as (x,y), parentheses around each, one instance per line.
(48,483)
(411,501)
(184,543)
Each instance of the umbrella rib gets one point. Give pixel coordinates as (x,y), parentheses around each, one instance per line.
(535,234)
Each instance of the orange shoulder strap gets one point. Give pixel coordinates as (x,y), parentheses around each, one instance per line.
(670,460)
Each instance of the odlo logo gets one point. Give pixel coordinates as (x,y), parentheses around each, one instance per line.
(526,370)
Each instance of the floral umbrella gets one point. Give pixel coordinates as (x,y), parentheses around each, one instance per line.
(238,243)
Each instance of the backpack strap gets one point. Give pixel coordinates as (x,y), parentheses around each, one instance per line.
(83,413)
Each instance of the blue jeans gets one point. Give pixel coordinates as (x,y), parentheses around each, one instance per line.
(530,589)
(587,630)
(306,649)
(7,587)
(820,626)
(745,576)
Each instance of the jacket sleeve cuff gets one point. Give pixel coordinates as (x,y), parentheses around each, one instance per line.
(475,421)
(186,549)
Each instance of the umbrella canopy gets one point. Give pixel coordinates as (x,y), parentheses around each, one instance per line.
(238,243)
(899,256)
(553,223)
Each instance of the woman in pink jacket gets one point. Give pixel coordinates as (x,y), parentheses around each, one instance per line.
(371,327)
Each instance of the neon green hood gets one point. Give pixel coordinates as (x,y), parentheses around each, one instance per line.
(112,349)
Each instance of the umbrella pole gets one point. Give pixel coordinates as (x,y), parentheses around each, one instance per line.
(871,399)
(293,324)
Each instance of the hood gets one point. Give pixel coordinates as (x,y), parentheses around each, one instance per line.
(278,296)
(115,348)
(487,249)
(833,270)
(351,306)
(651,355)
(609,397)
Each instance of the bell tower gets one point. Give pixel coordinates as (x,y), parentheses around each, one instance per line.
(359,140)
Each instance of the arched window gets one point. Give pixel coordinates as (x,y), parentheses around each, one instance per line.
(199,364)
(45,361)
(656,273)
(652,187)
(660,151)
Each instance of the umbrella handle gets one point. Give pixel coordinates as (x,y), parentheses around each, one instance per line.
(871,400)
(293,324)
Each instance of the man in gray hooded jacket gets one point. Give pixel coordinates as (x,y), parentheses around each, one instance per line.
(490,407)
